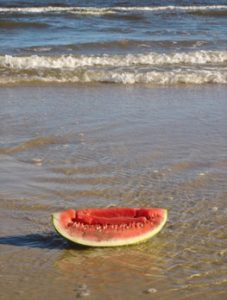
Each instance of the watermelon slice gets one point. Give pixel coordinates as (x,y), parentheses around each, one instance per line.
(108,227)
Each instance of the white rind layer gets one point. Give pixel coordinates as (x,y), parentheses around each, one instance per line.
(109,243)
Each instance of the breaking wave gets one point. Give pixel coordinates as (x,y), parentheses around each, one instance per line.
(70,61)
(154,78)
(154,68)
(109,10)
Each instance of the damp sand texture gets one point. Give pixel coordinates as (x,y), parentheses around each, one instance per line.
(106,145)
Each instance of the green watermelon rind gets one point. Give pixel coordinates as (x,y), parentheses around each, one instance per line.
(110,243)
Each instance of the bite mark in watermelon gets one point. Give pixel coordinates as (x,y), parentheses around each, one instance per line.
(108,227)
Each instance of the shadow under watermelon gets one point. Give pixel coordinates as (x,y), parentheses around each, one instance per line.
(49,240)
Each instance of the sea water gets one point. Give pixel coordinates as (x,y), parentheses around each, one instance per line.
(126,42)
(113,103)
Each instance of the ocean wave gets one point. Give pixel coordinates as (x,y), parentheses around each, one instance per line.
(109,10)
(193,67)
(174,77)
(5,24)
(209,13)
(73,61)
(116,46)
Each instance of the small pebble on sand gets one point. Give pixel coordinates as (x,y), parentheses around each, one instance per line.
(37,161)
(82,291)
(215,208)
(150,291)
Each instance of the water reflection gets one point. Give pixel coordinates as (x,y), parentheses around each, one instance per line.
(111,271)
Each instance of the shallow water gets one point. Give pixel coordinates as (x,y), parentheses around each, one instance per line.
(105,145)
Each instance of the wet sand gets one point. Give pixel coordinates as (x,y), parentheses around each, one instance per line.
(105,145)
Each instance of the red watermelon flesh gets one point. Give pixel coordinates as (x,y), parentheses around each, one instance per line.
(105,227)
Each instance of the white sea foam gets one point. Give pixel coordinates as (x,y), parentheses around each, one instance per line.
(196,67)
(153,78)
(151,59)
(173,7)
(34,9)
(109,10)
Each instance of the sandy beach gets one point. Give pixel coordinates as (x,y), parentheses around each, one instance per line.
(100,145)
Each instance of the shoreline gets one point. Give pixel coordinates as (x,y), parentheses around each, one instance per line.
(70,146)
